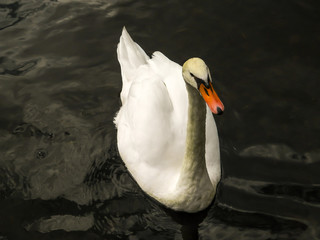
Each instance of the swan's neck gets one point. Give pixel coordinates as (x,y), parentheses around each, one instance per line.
(194,166)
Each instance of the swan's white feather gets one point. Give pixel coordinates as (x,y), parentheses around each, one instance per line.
(130,56)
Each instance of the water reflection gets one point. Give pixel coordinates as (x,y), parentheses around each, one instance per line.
(10,67)
(280,152)
(231,223)
(9,14)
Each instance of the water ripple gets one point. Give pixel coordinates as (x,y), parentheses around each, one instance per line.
(8,14)
(11,67)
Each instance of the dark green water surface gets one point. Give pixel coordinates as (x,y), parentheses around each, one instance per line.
(61,176)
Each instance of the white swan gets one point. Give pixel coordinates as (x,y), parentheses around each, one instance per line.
(166,135)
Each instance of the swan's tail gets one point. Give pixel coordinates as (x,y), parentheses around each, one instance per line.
(130,57)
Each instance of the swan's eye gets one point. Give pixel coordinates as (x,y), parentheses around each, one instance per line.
(192,75)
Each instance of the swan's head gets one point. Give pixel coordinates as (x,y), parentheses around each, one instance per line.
(196,73)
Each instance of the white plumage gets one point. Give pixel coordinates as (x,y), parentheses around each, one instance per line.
(152,131)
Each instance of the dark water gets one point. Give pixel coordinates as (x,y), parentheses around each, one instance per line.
(60,174)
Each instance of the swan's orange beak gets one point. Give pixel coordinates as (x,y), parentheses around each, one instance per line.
(211,98)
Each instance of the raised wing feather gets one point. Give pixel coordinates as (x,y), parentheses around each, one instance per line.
(131,56)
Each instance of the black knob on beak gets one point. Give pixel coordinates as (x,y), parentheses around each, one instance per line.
(219,111)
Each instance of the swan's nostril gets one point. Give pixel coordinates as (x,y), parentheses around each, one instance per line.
(219,111)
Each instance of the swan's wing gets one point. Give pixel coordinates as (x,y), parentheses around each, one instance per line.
(130,56)
(145,131)
(152,120)
(152,124)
